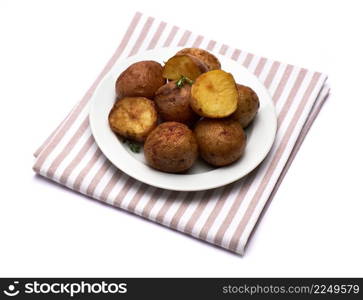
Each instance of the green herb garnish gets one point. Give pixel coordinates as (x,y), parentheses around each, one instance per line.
(180,83)
(134,147)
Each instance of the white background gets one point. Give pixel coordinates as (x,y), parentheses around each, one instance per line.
(51,52)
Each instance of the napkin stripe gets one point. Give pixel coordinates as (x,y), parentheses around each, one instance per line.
(198,211)
(258,70)
(72,165)
(130,184)
(52,135)
(211,45)
(134,50)
(117,175)
(97,178)
(181,210)
(171,37)
(257,196)
(68,147)
(243,192)
(160,216)
(143,188)
(214,213)
(63,154)
(248,60)
(260,66)
(223,216)
(223,49)
(236,54)
(275,66)
(184,39)
(167,204)
(224,197)
(277,95)
(237,203)
(185,204)
(198,41)
(150,204)
(78,133)
(323,95)
(278,167)
(137,197)
(79,179)
(142,36)
(78,108)
(157,35)
(137,46)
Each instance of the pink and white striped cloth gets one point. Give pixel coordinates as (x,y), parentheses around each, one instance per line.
(223,216)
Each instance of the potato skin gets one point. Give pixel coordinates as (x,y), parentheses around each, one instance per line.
(208,58)
(171,147)
(141,79)
(133,118)
(173,103)
(183,65)
(247,106)
(220,141)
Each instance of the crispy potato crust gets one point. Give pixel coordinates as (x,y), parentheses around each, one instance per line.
(173,103)
(141,79)
(171,147)
(247,107)
(183,65)
(208,58)
(214,94)
(133,118)
(220,141)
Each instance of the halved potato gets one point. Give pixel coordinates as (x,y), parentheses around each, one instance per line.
(247,107)
(183,65)
(214,94)
(208,58)
(133,118)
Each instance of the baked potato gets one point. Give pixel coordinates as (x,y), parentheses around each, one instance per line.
(141,79)
(247,107)
(133,118)
(173,103)
(183,65)
(214,94)
(208,58)
(220,141)
(171,147)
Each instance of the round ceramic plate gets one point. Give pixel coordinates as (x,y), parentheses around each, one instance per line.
(260,134)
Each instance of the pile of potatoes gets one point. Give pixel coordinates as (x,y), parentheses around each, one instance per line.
(187,108)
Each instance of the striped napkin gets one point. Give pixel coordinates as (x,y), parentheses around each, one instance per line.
(224,216)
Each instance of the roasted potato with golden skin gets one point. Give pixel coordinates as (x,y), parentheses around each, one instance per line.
(171,147)
(247,107)
(133,118)
(141,79)
(173,103)
(208,58)
(183,65)
(214,94)
(220,141)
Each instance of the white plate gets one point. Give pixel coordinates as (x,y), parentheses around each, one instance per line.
(260,134)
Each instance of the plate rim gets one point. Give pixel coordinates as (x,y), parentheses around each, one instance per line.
(135,175)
